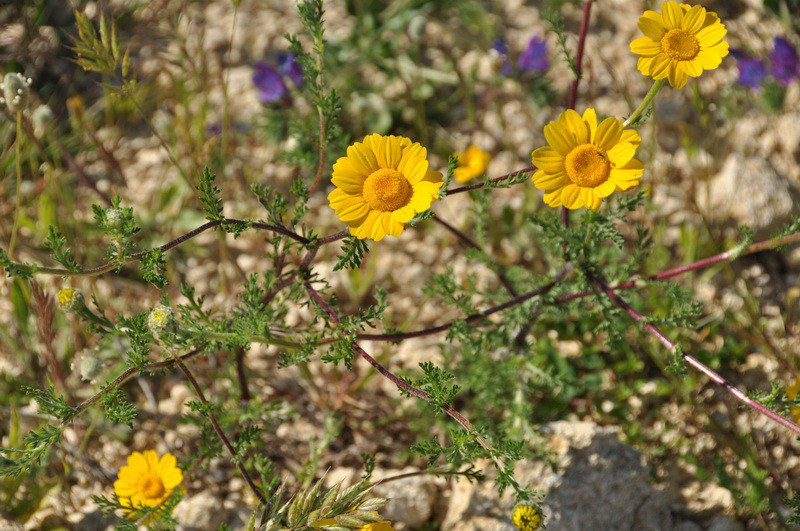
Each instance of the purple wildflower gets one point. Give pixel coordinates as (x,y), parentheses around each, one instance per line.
(501,48)
(269,83)
(289,67)
(752,71)
(535,56)
(785,66)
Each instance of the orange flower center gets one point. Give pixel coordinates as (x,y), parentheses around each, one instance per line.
(151,486)
(680,45)
(587,166)
(387,190)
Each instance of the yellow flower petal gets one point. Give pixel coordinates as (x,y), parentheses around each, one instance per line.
(652,24)
(550,181)
(559,137)
(646,46)
(608,133)
(711,35)
(591,119)
(589,199)
(621,153)
(677,75)
(571,196)
(672,13)
(548,159)
(693,19)
(576,125)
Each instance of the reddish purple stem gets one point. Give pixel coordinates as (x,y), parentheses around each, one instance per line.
(691,360)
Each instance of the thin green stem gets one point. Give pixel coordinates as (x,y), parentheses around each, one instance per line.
(224,336)
(645,102)
(18,195)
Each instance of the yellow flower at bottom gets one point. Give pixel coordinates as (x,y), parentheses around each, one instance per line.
(147,480)
(381,184)
(680,42)
(471,163)
(527,517)
(791,392)
(586,162)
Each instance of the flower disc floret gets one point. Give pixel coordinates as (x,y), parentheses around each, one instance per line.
(69,299)
(679,42)
(387,190)
(586,161)
(147,480)
(381,184)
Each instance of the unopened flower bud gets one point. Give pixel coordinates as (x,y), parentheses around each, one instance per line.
(88,365)
(41,118)
(160,318)
(115,217)
(70,299)
(16,91)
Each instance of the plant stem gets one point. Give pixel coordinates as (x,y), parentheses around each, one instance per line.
(691,360)
(399,382)
(223,336)
(17,195)
(199,392)
(645,102)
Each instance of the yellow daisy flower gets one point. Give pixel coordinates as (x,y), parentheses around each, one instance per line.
(147,480)
(679,42)
(471,163)
(586,162)
(527,517)
(381,184)
(791,392)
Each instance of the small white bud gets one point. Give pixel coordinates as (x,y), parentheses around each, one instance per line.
(15,90)
(115,217)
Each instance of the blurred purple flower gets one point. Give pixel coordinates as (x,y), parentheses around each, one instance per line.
(785,66)
(501,48)
(535,56)
(287,66)
(752,71)
(268,82)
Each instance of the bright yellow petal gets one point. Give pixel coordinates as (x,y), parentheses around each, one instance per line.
(571,196)
(672,14)
(589,199)
(403,214)
(605,189)
(659,67)
(346,177)
(630,135)
(363,228)
(710,58)
(463,174)
(549,181)
(409,164)
(559,137)
(677,75)
(362,159)
(137,462)
(692,68)
(711,35)
(631,172)
(152,460)
(553,198)
(548,159)
(652,24)
(621,154)
(347,207)
(608,133)
(576,125)
(693,19)
(646,46)
(590,116)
